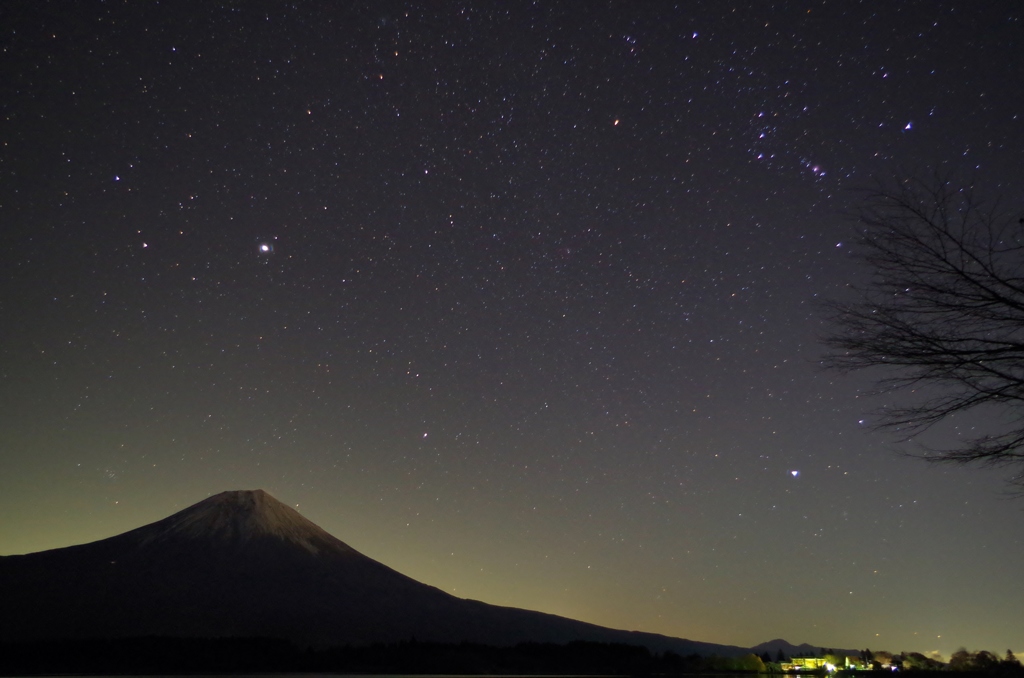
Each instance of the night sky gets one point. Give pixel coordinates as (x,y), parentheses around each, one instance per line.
(524,300)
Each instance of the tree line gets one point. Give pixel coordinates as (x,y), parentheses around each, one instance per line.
(156,655)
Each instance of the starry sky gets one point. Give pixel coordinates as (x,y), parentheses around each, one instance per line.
(523,299)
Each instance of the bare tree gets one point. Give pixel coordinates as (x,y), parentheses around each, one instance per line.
(943,315)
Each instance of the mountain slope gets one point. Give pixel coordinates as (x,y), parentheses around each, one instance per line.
(243,564)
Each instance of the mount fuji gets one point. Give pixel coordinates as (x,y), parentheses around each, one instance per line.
(242,564)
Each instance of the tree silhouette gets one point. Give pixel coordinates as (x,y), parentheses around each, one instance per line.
(943,316)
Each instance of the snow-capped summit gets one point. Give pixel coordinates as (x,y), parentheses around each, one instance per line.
(242,516)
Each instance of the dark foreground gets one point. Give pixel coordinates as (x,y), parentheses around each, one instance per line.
(142,656)
(184,656)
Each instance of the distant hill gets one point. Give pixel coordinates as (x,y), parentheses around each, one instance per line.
(242,565)
(773,646)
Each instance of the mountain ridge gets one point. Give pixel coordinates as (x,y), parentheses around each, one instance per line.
(243,564)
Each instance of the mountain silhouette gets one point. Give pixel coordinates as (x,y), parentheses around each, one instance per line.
(242,564)
(772,647)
